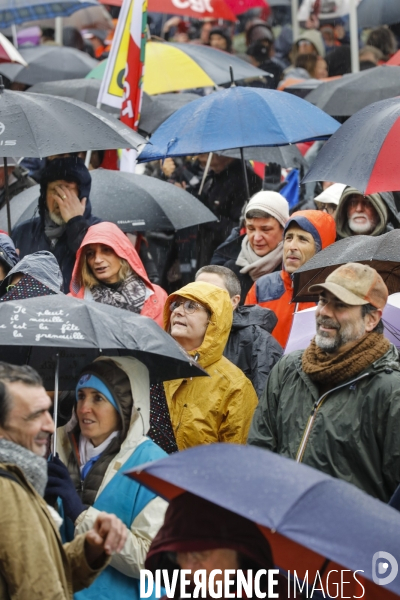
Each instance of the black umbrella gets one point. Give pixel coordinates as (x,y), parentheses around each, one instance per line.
(135,203)
(345,96)
(40,125)
(85,90)
(35,330)
(381,253)
(49,63)
(157,109)
(372,13)
(303,88)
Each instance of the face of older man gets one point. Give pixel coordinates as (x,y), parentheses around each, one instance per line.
(339,323)
(362,216)
(29,423)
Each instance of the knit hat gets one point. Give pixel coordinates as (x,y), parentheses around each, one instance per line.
(91,381)
(272,203)
(355,284)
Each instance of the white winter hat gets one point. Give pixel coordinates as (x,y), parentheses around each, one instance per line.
(272,203)
(332,194)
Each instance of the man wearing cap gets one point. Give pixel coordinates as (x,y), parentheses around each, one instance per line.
(259,250)
(306,233)
(336,405)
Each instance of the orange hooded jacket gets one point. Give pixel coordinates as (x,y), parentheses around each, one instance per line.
(111,235)
(275,290)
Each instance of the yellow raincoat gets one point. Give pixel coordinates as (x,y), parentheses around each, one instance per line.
(211,409)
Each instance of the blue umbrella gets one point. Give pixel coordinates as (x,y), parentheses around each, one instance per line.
(239,117)
(21,11)
(311,520)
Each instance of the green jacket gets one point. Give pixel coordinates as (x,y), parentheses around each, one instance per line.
(353,434)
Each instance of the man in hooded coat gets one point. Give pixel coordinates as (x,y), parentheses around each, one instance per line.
(65,214)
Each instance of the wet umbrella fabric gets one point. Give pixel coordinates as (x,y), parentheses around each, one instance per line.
(68,126)
(33,331)
(137,203)
(275,119)
(308,517)
(363,152)
(345,96)
(21,11)
(286,156)
(381,253)
(372,13)
(49,63)
(156,109)
(175,67)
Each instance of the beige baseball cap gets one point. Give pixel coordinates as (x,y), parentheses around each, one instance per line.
(355,284)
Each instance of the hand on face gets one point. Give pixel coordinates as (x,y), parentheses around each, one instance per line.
(62,200)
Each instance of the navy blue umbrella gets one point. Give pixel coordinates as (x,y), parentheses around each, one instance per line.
(239,117)
(21,11)
(311,520)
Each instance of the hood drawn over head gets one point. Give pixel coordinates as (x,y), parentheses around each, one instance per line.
(218,303)
(321,226)
(383,203)
(111,235)
(42,266)
(252,314)
(8,254)
(71,169)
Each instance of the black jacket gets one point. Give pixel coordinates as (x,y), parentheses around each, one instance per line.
(251,346)
(225,195)
(29,237)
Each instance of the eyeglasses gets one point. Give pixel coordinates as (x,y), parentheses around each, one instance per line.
(354,202)
(188,306)
(330,208)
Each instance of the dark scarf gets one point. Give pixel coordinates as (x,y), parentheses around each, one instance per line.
(327,369)
(130,294)
(52,230)
(34,467)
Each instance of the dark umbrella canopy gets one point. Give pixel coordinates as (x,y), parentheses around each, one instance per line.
(372,13)
(136,203)
(345,96)
(303,88)
(49,63)
(381,253)
(309,518)
(363,153)
(156,109)
(21,11)
(286,156)
(34,330)
(38,125)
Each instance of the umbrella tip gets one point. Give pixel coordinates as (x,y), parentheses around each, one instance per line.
(233,84)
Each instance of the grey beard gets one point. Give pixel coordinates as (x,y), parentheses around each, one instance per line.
(57,219)
(368,227)
(332,344)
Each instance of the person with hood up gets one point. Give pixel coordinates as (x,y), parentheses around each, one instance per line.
(35,275)
(210,409)
(65,214)
(250,345)
(108,270)
(365,215)
(216,538)
(258,251)
(306,233)
(106,436)
(8,255)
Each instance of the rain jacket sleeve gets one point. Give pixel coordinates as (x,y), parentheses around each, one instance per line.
(263,431)
(238,412)
(143,530)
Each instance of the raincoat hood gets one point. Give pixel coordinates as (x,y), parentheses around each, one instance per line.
(70,169)
(194,524)
(218,303)
(8,254)
(244,316)
(110,235)
(42,266)
(321,226)
(383,203)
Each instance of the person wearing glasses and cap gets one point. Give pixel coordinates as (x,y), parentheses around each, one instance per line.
(217,408)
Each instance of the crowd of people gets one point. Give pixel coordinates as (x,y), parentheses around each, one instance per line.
(72,524)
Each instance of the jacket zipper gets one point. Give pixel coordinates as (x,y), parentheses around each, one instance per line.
(312,417)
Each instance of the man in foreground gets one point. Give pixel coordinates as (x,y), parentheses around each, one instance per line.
(34,564)
(336,405)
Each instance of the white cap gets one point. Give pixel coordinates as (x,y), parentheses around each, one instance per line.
(332,194)
(272,203)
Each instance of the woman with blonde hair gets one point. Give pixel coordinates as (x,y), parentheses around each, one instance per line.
(108,270)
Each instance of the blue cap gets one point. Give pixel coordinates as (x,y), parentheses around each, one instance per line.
(91,381)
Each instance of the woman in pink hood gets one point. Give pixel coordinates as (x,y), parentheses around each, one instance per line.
(108,270)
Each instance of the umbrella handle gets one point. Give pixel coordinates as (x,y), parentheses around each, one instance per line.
(7,195)
(208,163)
(55,405)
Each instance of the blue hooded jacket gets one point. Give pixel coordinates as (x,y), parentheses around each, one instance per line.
(30,237)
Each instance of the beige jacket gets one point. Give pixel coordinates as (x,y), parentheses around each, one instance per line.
(34,564)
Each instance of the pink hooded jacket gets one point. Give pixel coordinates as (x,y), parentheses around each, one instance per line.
(110,235)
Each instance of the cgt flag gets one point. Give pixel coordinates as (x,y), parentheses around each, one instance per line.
(199,9)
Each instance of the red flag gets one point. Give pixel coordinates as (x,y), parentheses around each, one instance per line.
(199,9)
